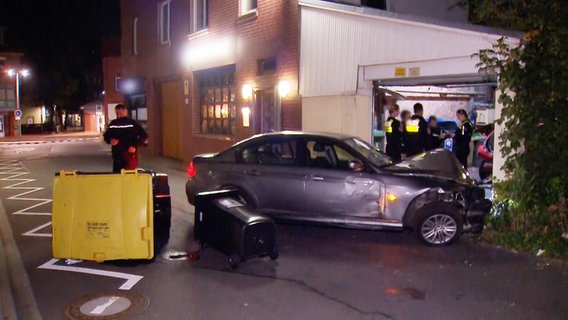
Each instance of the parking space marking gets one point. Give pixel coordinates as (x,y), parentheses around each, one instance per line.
(131,279)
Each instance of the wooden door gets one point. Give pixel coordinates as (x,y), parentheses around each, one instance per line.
(172,119)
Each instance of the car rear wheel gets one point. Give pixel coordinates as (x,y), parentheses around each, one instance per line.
(482,174)
(437,226)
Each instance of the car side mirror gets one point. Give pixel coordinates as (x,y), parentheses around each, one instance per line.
(356,165)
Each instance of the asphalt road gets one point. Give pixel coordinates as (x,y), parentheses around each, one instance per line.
(322,273)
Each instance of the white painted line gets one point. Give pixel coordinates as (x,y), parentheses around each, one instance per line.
(32,233)
(131,279)
(100,309)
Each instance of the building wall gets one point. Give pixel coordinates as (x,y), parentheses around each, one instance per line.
(111,66)
(9,60)
(272,31)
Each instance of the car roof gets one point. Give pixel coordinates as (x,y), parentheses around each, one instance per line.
(338,136)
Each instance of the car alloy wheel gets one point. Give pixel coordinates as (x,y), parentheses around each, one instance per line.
(439,229)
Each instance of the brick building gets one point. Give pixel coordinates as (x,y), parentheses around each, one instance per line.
(202,75)
(111,68)
(8,61)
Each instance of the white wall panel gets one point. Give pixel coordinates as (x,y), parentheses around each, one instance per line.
(335,43)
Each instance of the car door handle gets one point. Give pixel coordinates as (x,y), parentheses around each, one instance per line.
(316,178)
(252,173)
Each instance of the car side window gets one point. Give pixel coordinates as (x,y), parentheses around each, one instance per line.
(279,153)
(325,155)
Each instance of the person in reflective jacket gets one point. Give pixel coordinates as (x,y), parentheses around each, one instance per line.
(393,130)
(125,136)
(462,137)
(416,132)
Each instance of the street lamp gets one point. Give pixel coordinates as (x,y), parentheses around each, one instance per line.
(18,73)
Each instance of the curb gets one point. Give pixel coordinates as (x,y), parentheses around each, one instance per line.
(17,297)
(25,142)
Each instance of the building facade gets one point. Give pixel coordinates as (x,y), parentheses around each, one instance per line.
(112,73)
(201,75)
(8,61)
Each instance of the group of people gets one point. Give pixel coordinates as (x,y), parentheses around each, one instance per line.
(412,134)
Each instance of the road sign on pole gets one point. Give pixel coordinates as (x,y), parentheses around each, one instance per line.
(18,114)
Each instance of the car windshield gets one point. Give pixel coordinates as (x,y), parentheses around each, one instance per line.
(369,152)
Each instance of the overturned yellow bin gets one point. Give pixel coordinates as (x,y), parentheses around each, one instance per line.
(102,216)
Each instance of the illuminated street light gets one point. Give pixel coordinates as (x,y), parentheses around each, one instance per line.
(24,73)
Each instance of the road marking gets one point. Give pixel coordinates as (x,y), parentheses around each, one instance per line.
(100,309)
(131,279)
(33,233)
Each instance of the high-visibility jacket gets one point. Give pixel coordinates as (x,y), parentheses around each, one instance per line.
(393,131)
(415,135)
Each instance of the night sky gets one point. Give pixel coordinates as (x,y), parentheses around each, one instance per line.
(61,41)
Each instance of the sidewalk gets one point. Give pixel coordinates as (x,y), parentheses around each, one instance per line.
(51,138)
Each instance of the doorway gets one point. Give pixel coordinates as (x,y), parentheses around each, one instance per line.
(172,119)
(268,104)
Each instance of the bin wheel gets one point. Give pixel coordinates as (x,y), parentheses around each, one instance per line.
(234,260)
(274,253)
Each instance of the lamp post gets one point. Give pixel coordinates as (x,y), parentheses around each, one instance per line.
(17,74)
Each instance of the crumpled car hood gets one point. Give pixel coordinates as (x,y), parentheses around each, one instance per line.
(436,163)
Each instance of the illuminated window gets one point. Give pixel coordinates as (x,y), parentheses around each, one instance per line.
(135,36)
(218,110)
(248,6)
(199,15)
(117,78)
(164,22)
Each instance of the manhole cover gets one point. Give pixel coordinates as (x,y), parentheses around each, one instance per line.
(109,305)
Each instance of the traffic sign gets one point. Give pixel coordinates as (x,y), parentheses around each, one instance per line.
(18,114)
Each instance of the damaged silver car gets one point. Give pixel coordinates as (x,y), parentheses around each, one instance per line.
(343,181)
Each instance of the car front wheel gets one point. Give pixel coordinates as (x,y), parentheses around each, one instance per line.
(438,227)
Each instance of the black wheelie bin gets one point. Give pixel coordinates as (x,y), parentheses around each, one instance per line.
(224,223)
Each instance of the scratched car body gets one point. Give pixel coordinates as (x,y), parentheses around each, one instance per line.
(342,181)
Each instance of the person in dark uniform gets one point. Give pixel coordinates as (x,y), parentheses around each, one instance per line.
(462,137)
(436,135)
(416,132)
(404,117)
(125,136)
(393,129)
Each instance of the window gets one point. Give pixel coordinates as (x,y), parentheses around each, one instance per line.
(199,15)
(266,66)
(325,155)
(164,22)
(117,78)
(280,153)
(7,97)
(218,112)
(377,4)
(135,36)
(248,6)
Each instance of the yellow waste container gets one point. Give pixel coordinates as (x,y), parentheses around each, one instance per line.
(100,216)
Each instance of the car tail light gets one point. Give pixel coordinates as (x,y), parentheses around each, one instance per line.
(191,170)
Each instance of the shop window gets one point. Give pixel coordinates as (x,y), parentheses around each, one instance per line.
(200,15)
(248,6)
(218,110)
(266,66)
(164,22)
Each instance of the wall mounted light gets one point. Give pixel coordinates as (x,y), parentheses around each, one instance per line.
(247,92)
(283,88)
(246,116)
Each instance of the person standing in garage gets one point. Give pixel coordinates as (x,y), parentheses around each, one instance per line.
(125,135)
(393,129)
(436,135)
(416,132)
(462,137)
